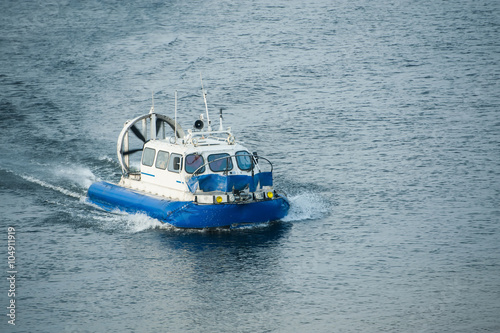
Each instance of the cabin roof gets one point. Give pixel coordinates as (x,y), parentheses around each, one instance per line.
(208,145)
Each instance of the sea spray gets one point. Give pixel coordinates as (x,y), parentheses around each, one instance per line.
(307,206)
(52,187)
(78,175)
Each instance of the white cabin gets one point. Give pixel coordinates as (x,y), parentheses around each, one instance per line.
(169,164)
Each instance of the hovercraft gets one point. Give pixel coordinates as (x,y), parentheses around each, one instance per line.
(201,178)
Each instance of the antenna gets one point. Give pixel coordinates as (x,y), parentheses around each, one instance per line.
(152,131)
(220,119)
(152,102)
(206,106)
(175,129)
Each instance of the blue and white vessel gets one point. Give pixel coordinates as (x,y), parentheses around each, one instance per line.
(199,178)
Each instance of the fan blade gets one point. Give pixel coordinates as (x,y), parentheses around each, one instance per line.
(138,133)
(158,125)
(131,151)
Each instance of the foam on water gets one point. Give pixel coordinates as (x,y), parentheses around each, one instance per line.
(139,222)
(306,206)
(132,223)
(52,187)
(120,221)
(60,179)
(106,158)
(78,175)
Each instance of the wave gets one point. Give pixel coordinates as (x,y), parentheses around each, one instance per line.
(52,187)
(67,180)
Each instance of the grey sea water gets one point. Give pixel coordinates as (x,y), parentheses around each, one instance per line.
(382,119)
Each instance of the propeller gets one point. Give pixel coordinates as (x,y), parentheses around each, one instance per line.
(158,125)
(138,133)
(132,151)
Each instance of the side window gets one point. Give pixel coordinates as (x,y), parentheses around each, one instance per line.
(244,160)
(148,156)
(193,162)
(161,160)
(175,163)
(219,163)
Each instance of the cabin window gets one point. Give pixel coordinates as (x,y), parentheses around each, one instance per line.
(193,162)
(219,163)
(162,160)
(148,156)
(175,163)
(244,160)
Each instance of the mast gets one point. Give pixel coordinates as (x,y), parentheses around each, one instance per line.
(152,123)
(206,106)
(175,116)
(220,120)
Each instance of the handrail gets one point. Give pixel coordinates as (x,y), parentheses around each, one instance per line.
(193,137)
(254,162)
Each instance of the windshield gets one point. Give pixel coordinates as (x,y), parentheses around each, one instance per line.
(219,163)
(193,162)
(244,160)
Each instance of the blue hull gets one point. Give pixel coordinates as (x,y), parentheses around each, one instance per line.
(186,214)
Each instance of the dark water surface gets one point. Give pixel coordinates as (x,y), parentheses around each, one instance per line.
(382,118)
